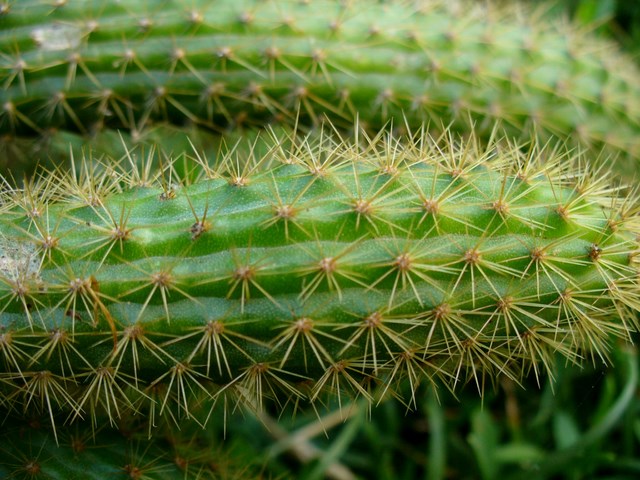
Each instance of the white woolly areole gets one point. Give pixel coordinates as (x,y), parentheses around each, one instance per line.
(57,37)
(18,261)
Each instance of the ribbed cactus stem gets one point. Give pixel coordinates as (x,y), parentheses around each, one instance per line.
(319,269)
(83,65)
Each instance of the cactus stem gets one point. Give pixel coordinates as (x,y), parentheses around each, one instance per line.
(431,260)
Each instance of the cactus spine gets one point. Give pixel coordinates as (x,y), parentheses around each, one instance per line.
(318,270)
(83,65)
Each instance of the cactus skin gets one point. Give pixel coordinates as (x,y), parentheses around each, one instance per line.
(22,156)
(30,450)
(87,64)
(320,270)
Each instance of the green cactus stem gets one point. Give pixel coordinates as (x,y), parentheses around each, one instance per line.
(29,450)
(86,64)
(21,156)
(319,270)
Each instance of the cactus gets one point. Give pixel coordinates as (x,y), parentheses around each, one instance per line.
(87,64)
(21,156)
(79,452)
(322,269)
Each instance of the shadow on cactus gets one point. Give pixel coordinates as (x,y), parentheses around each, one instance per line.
(30,449)
(326,269)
